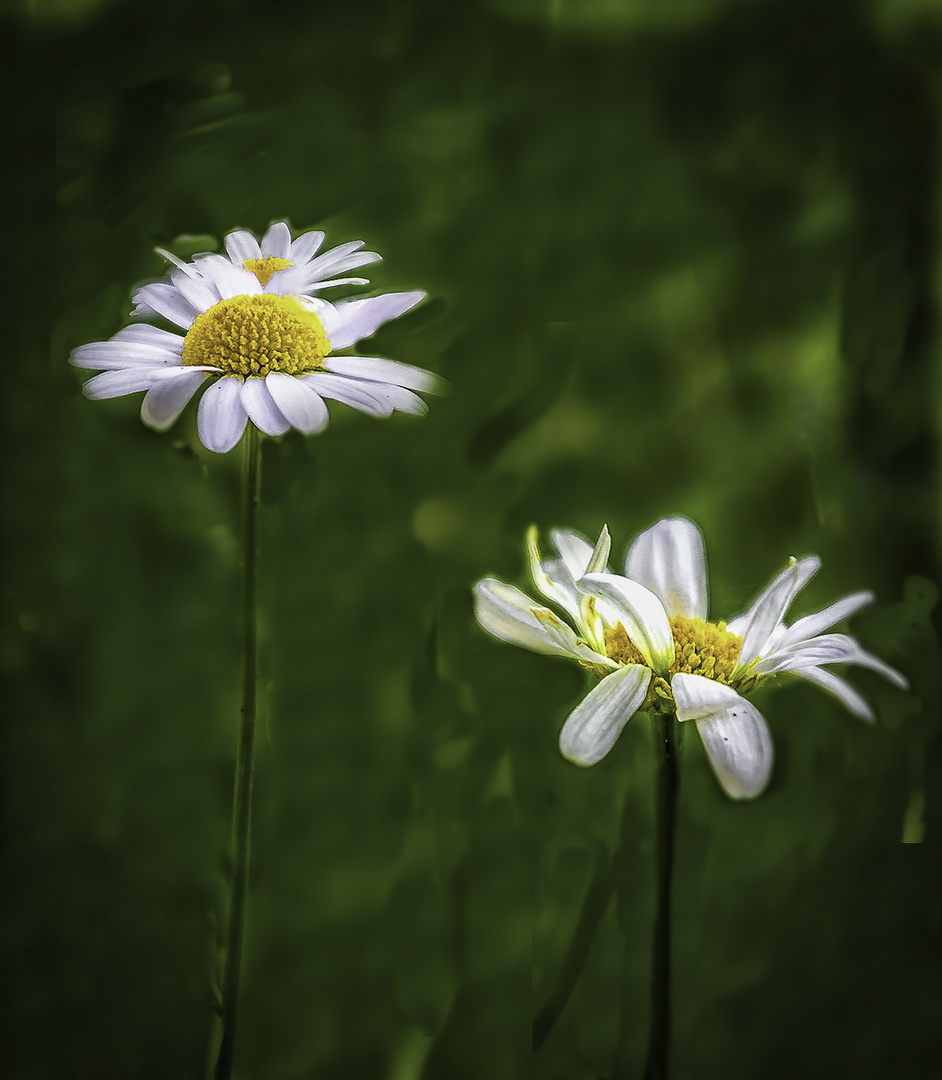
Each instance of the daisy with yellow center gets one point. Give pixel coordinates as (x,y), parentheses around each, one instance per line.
(251,322)
(646,635)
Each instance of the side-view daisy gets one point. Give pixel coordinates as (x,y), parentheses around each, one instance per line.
(251,323)
(646,635)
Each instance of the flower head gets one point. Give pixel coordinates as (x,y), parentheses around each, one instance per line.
(646,635)
(250,321)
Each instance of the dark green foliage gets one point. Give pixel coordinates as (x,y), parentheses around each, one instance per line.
(682,258)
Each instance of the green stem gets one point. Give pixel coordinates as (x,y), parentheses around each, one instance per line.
(245,761)
(657,1064)
(597,898)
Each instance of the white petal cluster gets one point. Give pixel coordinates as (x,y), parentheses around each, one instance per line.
(143,357)
(665,576)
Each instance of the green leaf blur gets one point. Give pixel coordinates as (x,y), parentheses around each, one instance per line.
(682,257)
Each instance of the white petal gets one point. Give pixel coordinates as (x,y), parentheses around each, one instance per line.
(145,334)
(758,624)
(160,298)
(263,412)
(351,320)
(112,384)
(840,688)
(302,406)
(734,733)
(670,560)
(242,245)
(338,259)
(116,354)
(641,613)
(375,369)
(511,616)
(598,560)
(596,722)
(306,245)
(562,592)
(277,241)
(225,280)
(398,398)
(221,416)
(820,621)
(164,403)
(574,550)
(349,391)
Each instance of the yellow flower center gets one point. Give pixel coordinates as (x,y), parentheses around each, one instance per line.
(700,648)
(264,268)
(255,335)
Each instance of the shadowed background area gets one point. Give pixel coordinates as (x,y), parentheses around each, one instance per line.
(681,257)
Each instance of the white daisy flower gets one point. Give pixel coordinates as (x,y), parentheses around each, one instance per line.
(647,636)
(250,322)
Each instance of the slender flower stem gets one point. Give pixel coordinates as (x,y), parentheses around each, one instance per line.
(657,1064)
(245,761)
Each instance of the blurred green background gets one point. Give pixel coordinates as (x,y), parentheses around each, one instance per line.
(682,257)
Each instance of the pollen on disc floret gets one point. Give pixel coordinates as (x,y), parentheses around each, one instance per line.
(256,335)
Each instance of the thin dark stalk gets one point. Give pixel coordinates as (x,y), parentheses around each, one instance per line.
(657,1065)
(245,763)
(597,898)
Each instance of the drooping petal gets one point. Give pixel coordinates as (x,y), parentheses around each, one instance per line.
(263,412)
(276,243)
(242,245)
(840,688)
(670,560)
(350,320)
(817,623)
(828,649)
(350,391)
(221,416)
(596,722)
(399,399)
(301,404)
(757,625)
(375,369)
(641,613)
(511,616)
(164,402)
(734,733)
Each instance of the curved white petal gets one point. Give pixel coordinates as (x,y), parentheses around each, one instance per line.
(263,412)
(375,369)
(561,592)
(242,245)
(301,404)
(221,416)
(306,246)
(146,334)
(112,384)
(574,551)
(511,616)
(115,354)
(670,560)
(734,733)
(161,298)
(757,625)
(350,320)
(828,649)
(276,242)
(817,623)
(641,613)
(596,722)
(338,259)
(349,391)
(164,402)
(399,399)
(840,688)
